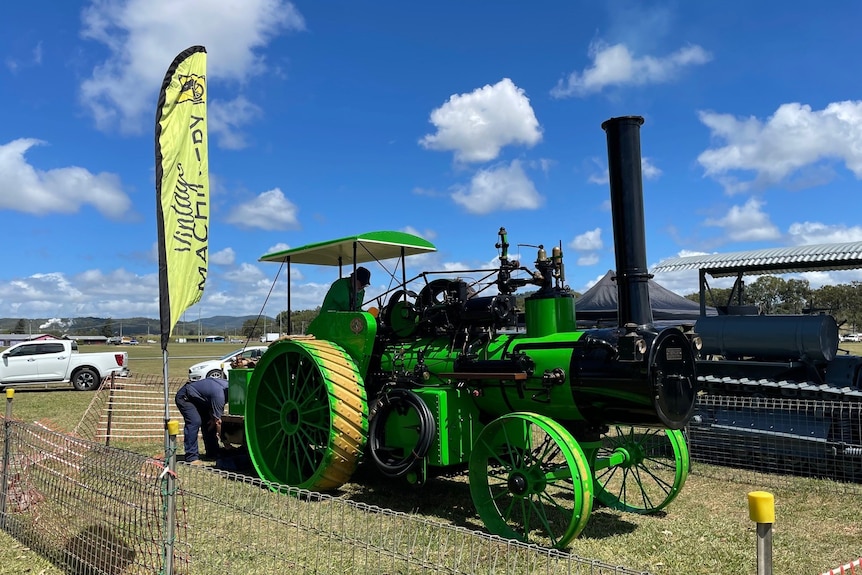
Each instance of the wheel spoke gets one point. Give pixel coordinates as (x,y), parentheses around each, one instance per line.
(651,473)
(508,514)
(543,518)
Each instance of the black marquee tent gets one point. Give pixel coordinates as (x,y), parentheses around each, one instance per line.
(598,305)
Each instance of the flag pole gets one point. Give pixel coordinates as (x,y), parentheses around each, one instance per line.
(182,210)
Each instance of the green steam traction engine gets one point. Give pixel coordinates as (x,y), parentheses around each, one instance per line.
(546,418)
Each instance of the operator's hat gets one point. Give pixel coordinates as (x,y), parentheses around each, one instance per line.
(363,275)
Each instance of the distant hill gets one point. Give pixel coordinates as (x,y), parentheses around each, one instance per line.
(137,326)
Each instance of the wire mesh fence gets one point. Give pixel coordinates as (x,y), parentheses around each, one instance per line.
(778,439)
(129,408)
(90,508)
(85,507)
(271,529)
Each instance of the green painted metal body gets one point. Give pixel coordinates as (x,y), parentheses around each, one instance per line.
(355,331)
(456,419)
(500,392)
(459,402)
(550,315)
(237,379)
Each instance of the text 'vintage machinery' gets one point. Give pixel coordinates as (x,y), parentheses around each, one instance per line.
(545,417)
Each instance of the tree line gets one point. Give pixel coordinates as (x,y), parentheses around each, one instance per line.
(776,296)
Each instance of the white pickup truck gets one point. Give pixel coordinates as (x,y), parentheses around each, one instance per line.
(58,361)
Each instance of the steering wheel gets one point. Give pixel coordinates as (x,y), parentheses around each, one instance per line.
(400,313)
(434,293)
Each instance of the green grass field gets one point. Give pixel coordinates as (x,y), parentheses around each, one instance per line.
(706,530)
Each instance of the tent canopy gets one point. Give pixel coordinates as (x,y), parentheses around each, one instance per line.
(598,305)
(368,247)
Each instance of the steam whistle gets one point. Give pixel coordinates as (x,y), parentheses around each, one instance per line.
(504,244)
(505,283)
(559,268)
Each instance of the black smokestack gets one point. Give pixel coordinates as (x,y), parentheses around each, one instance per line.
(627,207)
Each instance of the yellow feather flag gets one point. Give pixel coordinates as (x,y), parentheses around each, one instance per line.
(182,186)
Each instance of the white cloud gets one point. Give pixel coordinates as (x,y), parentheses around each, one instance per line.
(746,223)
(268,211)
(246,274)
(501,188)
(615,65)
(819,279)
(144,36)
(225,119)
(428,234)
(54,294)
(649,171)
(805,233)
(588,241)
(588,260)
(588,244)
(35,59)
(279,247)
(794,138)
(62,190)
(223,257)
(476,125)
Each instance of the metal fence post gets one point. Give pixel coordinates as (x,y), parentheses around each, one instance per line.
(173,429)
(761,509)
(110,411)
(7,448)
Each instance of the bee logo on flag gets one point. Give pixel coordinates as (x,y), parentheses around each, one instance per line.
(192,89)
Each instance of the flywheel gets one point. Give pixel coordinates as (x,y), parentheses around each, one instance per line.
(306,420)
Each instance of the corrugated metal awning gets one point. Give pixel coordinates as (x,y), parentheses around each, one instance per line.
(843,256)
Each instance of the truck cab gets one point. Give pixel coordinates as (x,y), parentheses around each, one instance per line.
(37,361)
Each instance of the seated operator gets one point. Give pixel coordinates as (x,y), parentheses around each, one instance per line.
(347,293)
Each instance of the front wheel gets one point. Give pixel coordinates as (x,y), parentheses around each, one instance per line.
(217,373)
(85,379)
(529,477)
(639,470)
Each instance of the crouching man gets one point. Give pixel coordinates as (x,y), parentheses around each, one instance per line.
(201,404)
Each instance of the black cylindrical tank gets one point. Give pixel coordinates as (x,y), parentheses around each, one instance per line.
(770,337)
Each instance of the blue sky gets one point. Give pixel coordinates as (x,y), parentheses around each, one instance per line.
(446,119)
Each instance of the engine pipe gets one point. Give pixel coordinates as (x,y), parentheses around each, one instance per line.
(627,207)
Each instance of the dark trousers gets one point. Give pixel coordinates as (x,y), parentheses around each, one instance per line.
(196,417)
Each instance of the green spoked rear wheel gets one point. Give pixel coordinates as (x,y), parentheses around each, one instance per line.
(639,470)
(530,480)
(306,419)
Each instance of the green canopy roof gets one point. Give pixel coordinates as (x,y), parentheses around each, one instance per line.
(370,246)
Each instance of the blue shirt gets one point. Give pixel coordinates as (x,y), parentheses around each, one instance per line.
(209,390)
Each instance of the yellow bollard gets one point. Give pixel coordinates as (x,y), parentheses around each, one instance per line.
(761,510)
(173,427)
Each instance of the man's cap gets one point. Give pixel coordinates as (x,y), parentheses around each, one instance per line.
(363,275)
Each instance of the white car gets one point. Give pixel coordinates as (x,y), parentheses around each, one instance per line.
(220,367)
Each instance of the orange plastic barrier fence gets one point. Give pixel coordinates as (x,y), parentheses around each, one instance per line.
(852,568)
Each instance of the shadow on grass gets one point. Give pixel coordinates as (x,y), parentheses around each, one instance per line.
(605,522)
(446,498)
